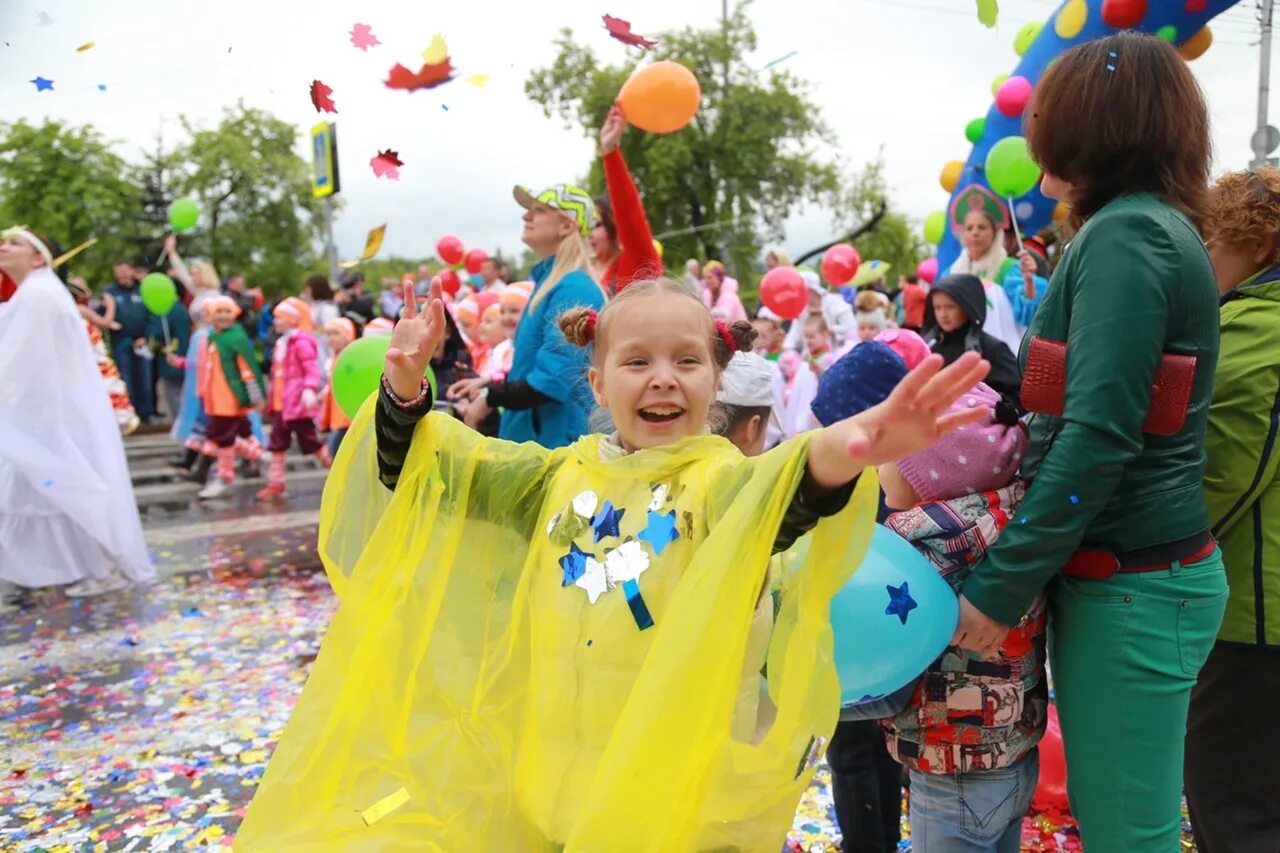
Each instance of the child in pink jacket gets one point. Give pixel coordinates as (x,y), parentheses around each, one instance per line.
(294,393)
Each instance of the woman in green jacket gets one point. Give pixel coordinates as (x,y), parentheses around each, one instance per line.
(1233,791)
(1114,522)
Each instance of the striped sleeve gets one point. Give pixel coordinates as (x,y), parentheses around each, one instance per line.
(393,430)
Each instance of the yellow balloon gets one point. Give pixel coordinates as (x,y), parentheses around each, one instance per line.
(436,52)
(1194,47)
(950,176)
(997,83)
(1071,19)
(657,247)
(1061,211)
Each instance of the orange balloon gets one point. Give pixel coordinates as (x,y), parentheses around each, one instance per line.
(1194,47)
(951,174)
(661,98)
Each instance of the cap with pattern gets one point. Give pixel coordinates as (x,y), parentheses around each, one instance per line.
(574,202)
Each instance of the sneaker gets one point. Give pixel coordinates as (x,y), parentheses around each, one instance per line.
(271,492)
(216,489)
(97,586)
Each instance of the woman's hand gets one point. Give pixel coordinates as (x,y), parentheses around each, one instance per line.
(912,419)
(171,244)
(977,631)
(611,132)
(413,341)
(475,414)
(466,389)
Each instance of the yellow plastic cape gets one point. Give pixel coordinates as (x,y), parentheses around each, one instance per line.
(465,698)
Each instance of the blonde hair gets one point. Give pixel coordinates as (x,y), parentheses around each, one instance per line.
(817,321)
(571,255)
(870,300)
(583,326)
(198,276)
(783,259)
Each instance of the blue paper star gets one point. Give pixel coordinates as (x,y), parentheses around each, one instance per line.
(574,564)
(606,523)
(660,531)
(43,84)
(102,87)
(900,602)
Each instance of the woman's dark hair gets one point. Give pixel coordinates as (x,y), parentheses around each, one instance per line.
(1120,115)
(318,286)
(55,249)
(604,210)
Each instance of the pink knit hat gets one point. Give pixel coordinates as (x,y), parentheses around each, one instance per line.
(979,457)
(907,344)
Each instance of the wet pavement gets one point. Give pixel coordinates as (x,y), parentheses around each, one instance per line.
(142,720)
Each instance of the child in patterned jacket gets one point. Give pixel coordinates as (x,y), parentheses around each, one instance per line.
(968,735)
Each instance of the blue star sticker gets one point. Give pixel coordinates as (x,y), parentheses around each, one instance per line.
(900,602)
(660,531)
(43,84)
(574,564)
(606,523)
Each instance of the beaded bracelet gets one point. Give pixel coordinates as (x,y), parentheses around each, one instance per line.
(417,401)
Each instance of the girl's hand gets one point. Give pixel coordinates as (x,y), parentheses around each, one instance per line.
(977,631)
(466,389)
(611,132)
(413,341)
(1027,264)
(170,244)
(910,420)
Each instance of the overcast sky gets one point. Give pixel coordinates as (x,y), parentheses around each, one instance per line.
(903,74)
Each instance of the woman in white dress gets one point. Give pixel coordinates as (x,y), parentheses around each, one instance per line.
(67,510)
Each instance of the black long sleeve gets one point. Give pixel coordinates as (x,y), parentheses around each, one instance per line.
(804,512)
(393,431)
(518,395)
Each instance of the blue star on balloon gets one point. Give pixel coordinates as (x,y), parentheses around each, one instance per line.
(574,564)
(660,531)
(606,523)
(43,84)
(900,602)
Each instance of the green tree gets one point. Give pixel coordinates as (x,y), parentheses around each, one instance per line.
(254,190)
(734,175)
(67,183)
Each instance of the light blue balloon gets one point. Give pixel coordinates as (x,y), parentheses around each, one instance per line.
(893,618)
(476,279)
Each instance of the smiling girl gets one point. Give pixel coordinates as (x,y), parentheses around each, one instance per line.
(548,649)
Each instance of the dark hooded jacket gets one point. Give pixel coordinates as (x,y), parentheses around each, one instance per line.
(969,294)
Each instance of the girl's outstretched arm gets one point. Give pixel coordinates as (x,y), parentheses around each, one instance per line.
(910,420)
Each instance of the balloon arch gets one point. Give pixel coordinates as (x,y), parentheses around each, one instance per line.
(1181,22)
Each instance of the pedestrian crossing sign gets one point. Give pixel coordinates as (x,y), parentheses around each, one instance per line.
(324,160)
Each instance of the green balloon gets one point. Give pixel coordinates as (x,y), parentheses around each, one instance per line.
(974,130)
(1010,170)
(1169,33)
(159,293)
(1025,38)
(183,214)
(997,83)
(935,225)
(358,371)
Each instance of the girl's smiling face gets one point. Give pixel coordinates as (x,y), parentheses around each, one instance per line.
(656,373)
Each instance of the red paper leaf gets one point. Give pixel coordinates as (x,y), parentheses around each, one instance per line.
(387,165)
(428,77)
(321,97)
(621,30)
(362,37)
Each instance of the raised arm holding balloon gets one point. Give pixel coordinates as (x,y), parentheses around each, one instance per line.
(620,236)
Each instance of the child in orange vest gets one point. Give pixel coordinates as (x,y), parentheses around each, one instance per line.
(340,333)
(295,386)
(230,385)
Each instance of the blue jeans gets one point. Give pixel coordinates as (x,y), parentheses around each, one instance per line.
(974,812)
(335,441)
(136,373)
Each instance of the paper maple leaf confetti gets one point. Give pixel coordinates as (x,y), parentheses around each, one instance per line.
(321,97)
(988,12)
(621,30)
(428,77)
(362,37)
(387,165)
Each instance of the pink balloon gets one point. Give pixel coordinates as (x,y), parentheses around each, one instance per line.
(840,264)
(927,270)
(475,260)
(449,249)
(1012,96)
(784,292)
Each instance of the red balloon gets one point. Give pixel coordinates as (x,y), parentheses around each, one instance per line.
(927,270)
(449,281)
(1123,14)
(1051,789)
(840,264)
(783,292)
(449,250)
(475,258)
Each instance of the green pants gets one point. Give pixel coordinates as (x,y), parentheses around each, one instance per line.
(1124,654)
